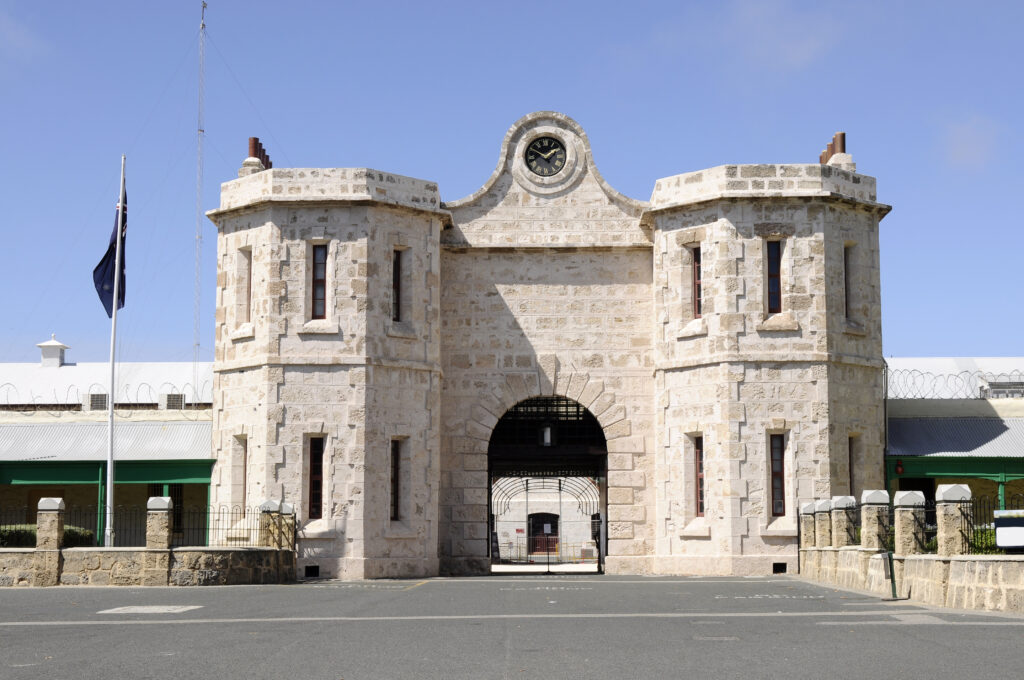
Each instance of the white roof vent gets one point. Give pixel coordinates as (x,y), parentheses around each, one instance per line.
(53,351)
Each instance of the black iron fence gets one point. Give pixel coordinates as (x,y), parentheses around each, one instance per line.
(15,530)
(213,526)
(887,527)
(978,524)
(927,531)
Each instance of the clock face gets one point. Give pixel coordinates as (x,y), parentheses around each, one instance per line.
(545,156)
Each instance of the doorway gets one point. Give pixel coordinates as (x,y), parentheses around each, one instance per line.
(547,465)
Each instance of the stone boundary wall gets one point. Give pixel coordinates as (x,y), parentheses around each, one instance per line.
(157,564)
(946,579)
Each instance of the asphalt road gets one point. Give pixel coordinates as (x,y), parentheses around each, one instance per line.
(498,627)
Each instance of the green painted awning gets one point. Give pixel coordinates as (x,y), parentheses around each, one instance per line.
(94,472)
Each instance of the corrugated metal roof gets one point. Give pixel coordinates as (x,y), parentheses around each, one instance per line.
(65,442)
(137,382)
(971,437)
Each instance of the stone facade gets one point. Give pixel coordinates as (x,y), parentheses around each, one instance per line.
(548,286)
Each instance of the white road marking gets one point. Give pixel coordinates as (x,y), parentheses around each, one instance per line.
(151,609)
(917,619)
(723,638)
(487,617)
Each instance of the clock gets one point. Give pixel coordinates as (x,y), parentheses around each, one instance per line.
(545,156)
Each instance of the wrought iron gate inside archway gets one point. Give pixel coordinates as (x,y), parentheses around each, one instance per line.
(547,466)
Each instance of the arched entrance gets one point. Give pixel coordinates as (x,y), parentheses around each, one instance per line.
(548,467)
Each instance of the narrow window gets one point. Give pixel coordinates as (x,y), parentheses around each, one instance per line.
(244,451)
(847,307)
(774,277)
(698,465)
(778,451)
(245,275)
(319,282)
(696,284)
(396,286)
(316,477)
(396,486)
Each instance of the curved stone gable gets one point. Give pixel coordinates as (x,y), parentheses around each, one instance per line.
(576,207)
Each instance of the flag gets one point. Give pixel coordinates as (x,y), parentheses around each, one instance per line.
(103,274)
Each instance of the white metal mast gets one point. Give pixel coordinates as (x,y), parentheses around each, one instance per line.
(108,512)
(196,307)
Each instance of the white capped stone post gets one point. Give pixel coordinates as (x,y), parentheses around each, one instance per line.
(50,523)
(844,521)
(874,518)
(908,511)
(952,502)
(158,522)
(823,523)
(49,537)
(156,562)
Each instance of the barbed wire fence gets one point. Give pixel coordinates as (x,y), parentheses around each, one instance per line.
(904,383)
(130,399)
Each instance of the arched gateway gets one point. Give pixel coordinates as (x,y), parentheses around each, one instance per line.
(547,472)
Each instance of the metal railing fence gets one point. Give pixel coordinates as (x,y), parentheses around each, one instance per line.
(213,526)
(15,530)
(978,525)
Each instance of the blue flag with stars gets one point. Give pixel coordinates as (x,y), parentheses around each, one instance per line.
(103,274)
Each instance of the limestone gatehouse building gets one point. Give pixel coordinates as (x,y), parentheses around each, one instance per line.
(684,371)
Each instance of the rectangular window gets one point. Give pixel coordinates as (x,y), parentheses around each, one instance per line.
(696,283)
(396,286)
(778,468)
(396,485)
(847,306)
(698,465)
(244,451)
(774,277)
(316,477)
(319,282)
(245,277)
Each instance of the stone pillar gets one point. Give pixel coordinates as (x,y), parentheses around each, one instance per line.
(807,539)
(49,537)
(952,501)
(908,511)
(156,561)
(844,521)
(50,524)
(158,522)
(874,519)
(823,523)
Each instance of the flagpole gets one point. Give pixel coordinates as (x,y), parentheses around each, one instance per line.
(108,525)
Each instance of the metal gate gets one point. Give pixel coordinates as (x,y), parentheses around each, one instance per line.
(547,463)
(547,521)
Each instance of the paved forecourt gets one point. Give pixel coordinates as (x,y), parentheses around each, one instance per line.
(503,626)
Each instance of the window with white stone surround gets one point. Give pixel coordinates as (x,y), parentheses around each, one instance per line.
(777,474)
(315,467)
(773,276)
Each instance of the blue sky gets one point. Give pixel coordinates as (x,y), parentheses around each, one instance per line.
(929,95)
